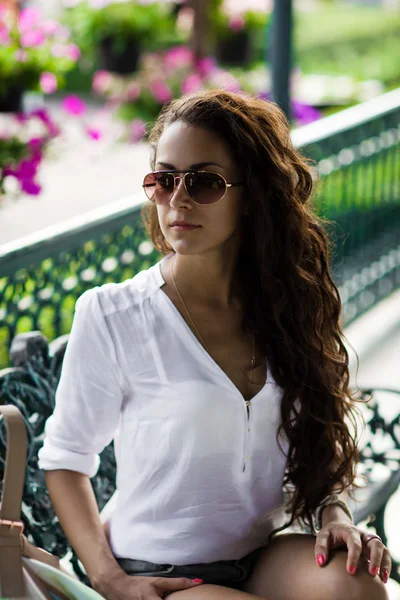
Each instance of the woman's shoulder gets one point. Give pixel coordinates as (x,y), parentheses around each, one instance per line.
(120,296)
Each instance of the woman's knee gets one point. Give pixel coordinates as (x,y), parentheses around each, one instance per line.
(361,586)
(287,570)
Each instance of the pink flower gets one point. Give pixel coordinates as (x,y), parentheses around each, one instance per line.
(237,23)
(205,66)
(137,130)
(4,35)
(132,92)
(192,83)
(58,50)
(48,82)
(101,81)
(50,27)
(161,92)
(94,133)
(28,18)
(225,80)
(72,51)
(32,38)
(73,105)
(178,57)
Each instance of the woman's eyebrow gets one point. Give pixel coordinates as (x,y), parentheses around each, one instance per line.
(195,166)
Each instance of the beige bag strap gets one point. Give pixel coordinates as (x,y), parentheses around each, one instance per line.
(11,576)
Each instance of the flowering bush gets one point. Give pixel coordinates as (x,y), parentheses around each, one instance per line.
(25,139)
(225,24)
(138,99)
(161,77)
(35,53)
(23,142)
(94,21)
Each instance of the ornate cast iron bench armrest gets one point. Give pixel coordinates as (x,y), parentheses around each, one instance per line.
(31,383)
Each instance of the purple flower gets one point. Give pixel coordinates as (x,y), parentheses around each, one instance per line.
(43,115)
(73,105)
(35,146)
(32,38)
(304,113)
(48,82)
(29,186)
(27,169)
(161,92)
(137,130)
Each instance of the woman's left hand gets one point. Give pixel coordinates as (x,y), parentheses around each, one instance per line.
(337,534)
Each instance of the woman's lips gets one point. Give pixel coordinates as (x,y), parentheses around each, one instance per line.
(182,227)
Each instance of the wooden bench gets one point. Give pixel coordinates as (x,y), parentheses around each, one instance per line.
(31,382)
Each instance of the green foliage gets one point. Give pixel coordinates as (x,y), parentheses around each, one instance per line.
(151,24)
(358,41)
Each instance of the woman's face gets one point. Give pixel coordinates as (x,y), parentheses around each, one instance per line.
(185,147)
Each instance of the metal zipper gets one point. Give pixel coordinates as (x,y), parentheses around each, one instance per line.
(246,434)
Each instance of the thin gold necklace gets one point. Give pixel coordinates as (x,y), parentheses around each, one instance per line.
(253,357)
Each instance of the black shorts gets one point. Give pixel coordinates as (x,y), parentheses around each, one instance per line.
(229,573)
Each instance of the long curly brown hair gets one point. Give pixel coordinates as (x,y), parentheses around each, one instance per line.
(289,297)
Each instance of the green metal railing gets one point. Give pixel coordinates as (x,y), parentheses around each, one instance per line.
(357,155)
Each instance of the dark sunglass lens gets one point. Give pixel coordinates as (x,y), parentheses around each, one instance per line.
(159,187)
(206,188)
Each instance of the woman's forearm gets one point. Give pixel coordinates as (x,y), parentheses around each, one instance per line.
(75,505)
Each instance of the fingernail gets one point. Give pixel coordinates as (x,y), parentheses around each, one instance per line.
(385,575)
(375,571)
(352,569)
(197,580)
(320,559)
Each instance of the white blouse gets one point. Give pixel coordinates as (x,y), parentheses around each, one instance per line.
(199,473)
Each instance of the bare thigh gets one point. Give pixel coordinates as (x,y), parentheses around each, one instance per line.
(212,592)
(287,570)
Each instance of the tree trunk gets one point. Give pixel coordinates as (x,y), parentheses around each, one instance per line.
(200,28)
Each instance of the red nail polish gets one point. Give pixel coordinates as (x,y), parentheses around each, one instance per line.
(385,575)
(352,569)
(197,580)
(320,559)
(375,571)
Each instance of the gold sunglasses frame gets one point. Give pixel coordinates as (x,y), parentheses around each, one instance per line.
(183,178)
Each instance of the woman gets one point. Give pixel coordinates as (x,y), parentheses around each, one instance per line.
(222,375)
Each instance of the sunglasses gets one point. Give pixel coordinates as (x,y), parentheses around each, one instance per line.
(201,186)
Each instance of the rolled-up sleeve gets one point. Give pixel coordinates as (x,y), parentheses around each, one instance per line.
(89,394)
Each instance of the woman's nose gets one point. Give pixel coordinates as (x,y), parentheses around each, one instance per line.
(180,196)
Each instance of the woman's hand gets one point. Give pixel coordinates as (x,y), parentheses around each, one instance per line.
(121,586)
(336,534)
